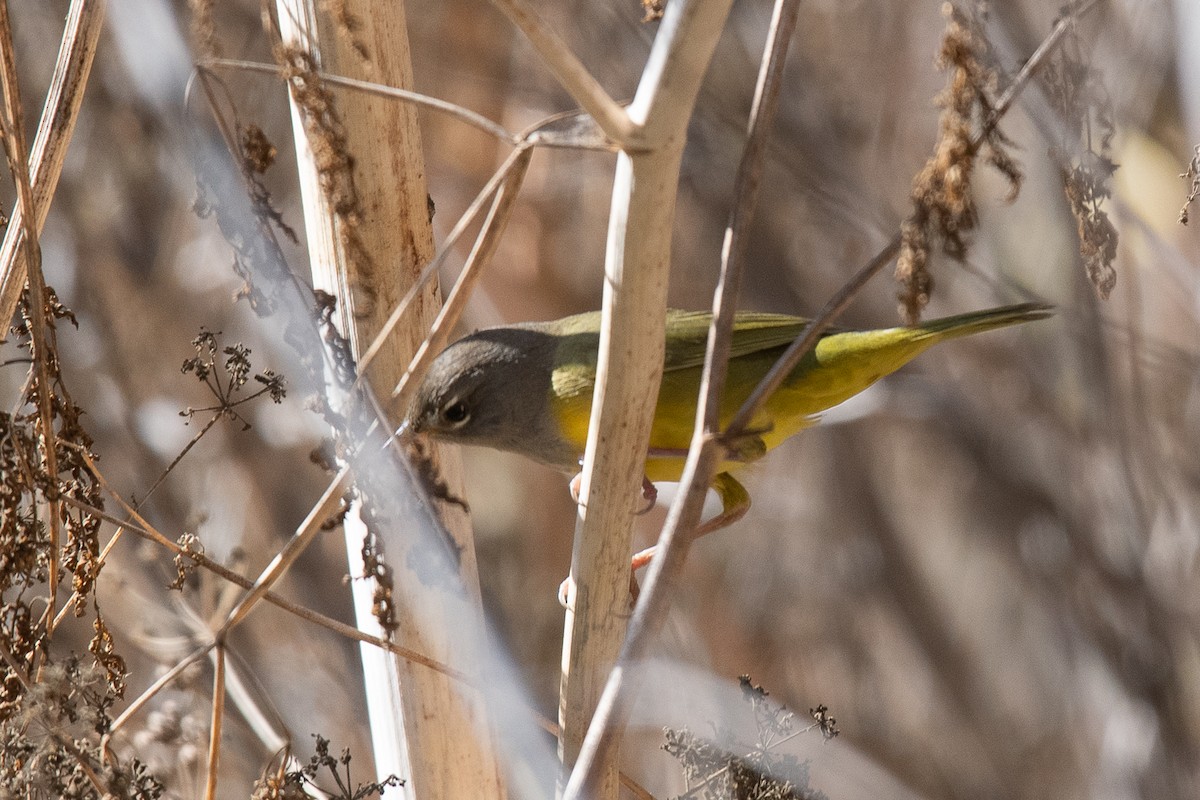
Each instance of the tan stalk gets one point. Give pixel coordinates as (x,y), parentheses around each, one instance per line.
(30,254)
(601,746)
(426,728)
(85,19)
(218,715)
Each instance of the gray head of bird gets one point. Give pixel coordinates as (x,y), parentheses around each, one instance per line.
(492,389)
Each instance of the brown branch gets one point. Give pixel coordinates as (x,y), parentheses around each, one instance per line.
(147,531)
(31,254)
(218,714)
(61,110)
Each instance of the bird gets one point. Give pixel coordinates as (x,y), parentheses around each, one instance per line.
(527,388)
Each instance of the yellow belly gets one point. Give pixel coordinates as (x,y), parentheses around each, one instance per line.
(838,369)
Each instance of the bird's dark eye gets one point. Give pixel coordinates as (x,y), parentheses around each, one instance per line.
(456,413)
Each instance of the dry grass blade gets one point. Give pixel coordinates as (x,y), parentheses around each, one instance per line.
(84,22)
(30,253)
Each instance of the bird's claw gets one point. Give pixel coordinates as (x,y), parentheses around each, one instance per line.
(649,494)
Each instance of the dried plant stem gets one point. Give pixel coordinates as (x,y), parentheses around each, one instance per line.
(325,508)
(30,253)
(163,681)
(116,537)
(492,189)
(218,715)
(599,749)
(629,364)
(362,179)
(1032,65)
(84,22)
(808,339)
(464,114)
(186,449)
(148,532)
(572,74)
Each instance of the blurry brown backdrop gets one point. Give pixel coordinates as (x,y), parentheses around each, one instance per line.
(987,567)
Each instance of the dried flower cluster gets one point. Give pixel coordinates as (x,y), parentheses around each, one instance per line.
(714,771)
(944,209)
(1084,156)
(53,709)
(237,369)
(300,784)
(1192,175)
(50,745)
(327,136)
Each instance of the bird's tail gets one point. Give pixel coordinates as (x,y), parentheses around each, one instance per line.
(980,321)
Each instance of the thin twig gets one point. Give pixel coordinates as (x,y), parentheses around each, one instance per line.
(571,73)
(1030,67)
(163,681)
(175,462)
(148,532)
(218,714)
(465,115)
(808,338)
(312,525)
(452,308)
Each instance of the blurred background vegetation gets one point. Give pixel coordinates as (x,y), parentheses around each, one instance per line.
(986,566)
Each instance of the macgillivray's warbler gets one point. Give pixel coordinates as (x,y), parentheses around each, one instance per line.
(527,388)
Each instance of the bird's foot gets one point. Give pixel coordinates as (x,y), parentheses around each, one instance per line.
(649,492)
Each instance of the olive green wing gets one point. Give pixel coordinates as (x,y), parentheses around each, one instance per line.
(753,332)
(687,340)
(574,375)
